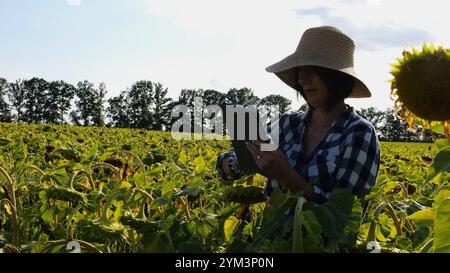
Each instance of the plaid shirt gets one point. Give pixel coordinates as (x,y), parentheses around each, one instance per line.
(348,156)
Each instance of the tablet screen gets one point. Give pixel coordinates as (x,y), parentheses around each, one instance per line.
(245,158)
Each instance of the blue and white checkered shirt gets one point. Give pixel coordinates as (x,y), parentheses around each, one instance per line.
(348,156)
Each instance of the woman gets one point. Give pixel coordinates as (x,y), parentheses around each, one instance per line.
(329,146)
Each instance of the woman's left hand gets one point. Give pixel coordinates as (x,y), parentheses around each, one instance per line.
(273,164)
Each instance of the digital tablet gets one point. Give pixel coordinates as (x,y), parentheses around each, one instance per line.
(245,158)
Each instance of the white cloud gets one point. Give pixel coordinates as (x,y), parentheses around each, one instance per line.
(73,2)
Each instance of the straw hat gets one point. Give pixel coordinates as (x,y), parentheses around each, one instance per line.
(324,46)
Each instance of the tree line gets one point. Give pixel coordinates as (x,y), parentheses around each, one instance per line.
(145,105)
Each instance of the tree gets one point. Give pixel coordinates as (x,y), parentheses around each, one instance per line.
(283,103)
(144,105)
(213,97)
(36,92)
(117,111)
(187,96)
(85,94)
(139,98)
(243,96)
(17,95)
(5,112)
(373,116)
(89,104)
(57,102)
(395,129)
(161,112)
(98,102)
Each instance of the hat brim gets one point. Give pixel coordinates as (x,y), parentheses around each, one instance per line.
(285,70)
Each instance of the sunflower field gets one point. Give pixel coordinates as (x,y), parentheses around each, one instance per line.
(122,190)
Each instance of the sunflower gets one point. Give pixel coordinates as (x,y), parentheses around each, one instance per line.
(421,88)
(244,195)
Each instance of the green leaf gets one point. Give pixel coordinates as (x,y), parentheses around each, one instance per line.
(230,225)
(118,209)
(224,214)
(385,226)
(339,217)
(437,127)
(440,143)
(167,188)
(43,239)
(425,216)
(200,164)
(47,217)
(441,163)
(20,151)
(420,235)
(390,186)
(380,235)
(153,242)
(205,228)
(273,216)
(404,243)
(187,192)
(442,228)
(191,228)
(441,196)
(160,201)
(182,158)
(4,141)
(156,169)
(352,226)
(313,231)
(8,208)
(297,242)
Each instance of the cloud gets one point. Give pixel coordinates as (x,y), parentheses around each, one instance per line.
(73,2)
(371,37)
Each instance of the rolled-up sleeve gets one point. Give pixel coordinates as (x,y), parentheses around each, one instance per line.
(360,162)
(236,171)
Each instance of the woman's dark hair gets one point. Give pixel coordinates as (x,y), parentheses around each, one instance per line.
(339,85)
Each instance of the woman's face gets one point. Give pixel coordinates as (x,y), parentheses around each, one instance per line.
(314,88)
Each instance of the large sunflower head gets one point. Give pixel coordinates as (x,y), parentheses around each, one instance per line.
(421,87)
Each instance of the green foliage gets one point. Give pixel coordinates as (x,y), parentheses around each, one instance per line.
(148,193)
(65,194)
(441,164)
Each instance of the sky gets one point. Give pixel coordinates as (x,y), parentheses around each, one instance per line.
(209,44)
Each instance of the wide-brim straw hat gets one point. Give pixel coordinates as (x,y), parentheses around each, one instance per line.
(323,46)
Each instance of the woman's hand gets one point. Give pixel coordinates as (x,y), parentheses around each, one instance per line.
(273,164)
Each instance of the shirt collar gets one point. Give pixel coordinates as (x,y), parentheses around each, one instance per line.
(338,126)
